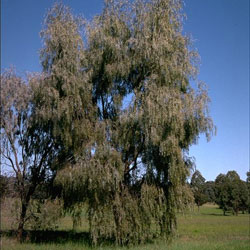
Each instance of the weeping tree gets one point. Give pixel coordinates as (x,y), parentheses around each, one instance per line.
(64,94)
(118,97)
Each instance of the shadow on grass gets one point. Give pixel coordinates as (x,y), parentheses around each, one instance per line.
(58,237)
(213,214)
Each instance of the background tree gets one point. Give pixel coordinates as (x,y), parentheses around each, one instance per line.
(24,147)
(248,190)
(129,163)
(234,191)
(3,187)
(210,191)
(231,192)
(243,206)
(198,188)
(222,196)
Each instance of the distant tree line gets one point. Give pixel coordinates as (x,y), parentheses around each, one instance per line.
(228,191)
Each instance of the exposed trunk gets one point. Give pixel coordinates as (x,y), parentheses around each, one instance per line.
(126,178)
(20,230)
(236,211)
(25,199)
(74,220)
(117,224)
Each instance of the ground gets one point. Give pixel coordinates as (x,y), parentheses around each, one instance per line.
(204,230)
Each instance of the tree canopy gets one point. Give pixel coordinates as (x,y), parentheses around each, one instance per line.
(129,160)
(198,188)
(116,100)
(231,192)
(25,148)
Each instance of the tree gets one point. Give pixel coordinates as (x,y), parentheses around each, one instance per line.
(221,186)
(3,187)
(129,163)
(64,97)
(231,192)
(210,191)
(24,147)
(243,203)
(248,190)
(198,187)
(234,191)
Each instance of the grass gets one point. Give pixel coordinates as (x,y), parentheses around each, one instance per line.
(209,229)
(204,230)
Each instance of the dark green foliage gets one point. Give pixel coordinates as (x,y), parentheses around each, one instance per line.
(248,190)
(234,191)
(210,191)
(222,197)
(244,196)
(198,188)
(231,192)
(8,185)
(3,186)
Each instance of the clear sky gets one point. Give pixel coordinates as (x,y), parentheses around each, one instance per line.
(220,29)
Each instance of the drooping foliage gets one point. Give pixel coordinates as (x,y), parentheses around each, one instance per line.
(64,97)
(122,109)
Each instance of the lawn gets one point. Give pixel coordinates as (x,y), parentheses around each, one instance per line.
(204,230)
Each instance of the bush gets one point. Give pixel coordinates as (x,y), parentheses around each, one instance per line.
(41,215)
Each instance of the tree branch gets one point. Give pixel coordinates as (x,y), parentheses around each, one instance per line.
(11,162)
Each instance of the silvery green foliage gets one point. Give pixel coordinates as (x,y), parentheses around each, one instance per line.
(65,93)
(44,215)
(26,150)
(130,161)
(15,100)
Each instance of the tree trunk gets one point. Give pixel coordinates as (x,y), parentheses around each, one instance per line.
(74,220)
(20,230)
(25,199)
(236,211)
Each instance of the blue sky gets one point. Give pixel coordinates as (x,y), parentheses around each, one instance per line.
(220,29)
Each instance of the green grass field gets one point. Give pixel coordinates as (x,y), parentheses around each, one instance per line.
(204,230)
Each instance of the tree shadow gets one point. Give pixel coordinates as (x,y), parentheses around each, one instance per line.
(213,214)
(50,236)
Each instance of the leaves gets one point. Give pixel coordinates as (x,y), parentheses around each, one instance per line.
(128,163)
(136,49)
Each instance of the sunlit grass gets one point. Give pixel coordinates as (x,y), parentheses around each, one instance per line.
(204,230)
